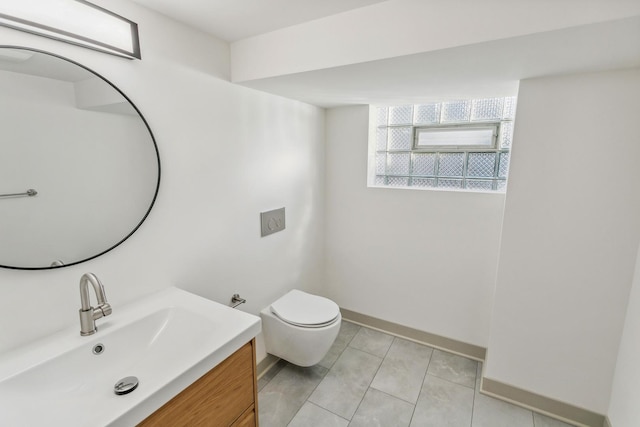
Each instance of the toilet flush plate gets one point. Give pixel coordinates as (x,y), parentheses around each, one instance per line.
(272,221)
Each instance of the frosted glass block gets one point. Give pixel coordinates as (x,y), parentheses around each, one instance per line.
(506,134)
(509,112)
(423,182)
(400,138)
(451,164)
(398,163)
(449,183)
(426,114)
(379,180)
(398,181)
(456,111)
(503,168)
(381,116)
(479,185)
(401,115)
(481,164)
(424,164)
(502,186)
(487,109)
(381,139)
(381,163)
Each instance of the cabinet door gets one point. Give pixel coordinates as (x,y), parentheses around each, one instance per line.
(218,398)
(248,419)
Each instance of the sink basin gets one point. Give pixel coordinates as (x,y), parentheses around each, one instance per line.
(167,341)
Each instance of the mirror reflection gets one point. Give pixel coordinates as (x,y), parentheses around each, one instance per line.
(75,140)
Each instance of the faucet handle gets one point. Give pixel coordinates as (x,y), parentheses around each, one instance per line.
(102,310)
(105,309)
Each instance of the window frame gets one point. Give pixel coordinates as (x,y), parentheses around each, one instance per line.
(389,148)
(494,126)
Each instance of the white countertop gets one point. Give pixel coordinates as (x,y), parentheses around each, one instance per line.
(168,340)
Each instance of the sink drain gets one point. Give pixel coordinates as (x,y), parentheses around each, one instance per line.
(98,348)
(125,385)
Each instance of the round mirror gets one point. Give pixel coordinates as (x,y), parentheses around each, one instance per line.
(79,167)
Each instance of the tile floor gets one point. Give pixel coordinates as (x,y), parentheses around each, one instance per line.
(371,379)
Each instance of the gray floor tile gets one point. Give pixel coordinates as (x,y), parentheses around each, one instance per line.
(403,369)
(352,383)
(271,373)
(490,412)
(346,383)
(283,396)
(372,341)
(262,382)
(348,330)
(454,368)
(312,415)
(443,404)
(540,420)
(378,409)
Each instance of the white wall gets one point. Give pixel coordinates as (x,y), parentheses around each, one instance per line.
(570,235)
(423,259)
(624,410)
(227,153)
(404,27)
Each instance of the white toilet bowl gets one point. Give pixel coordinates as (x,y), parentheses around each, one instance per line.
(300,327)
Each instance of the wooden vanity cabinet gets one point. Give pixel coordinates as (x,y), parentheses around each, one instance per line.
(225,396)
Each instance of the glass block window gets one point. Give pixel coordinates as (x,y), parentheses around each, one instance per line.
(461,145)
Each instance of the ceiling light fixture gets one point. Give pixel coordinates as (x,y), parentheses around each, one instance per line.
(74,21)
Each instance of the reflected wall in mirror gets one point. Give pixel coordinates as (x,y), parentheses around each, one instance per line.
(80,143)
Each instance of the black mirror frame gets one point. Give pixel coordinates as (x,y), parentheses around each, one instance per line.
(155,145)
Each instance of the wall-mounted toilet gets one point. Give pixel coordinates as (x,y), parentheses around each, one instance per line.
(300,327)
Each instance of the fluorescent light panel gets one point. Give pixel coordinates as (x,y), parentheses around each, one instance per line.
(74,21)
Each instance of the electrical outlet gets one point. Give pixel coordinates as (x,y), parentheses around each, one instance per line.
(272,221)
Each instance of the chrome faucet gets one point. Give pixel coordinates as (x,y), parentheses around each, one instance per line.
(88,314)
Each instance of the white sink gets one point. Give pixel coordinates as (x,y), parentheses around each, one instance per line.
(167,341)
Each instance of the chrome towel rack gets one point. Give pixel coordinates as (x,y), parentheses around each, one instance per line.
(29,193)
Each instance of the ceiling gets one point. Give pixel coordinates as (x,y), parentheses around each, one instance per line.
(487,69)
(233,20)
(479,70)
